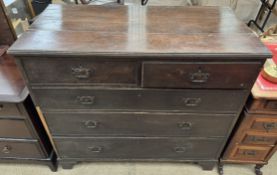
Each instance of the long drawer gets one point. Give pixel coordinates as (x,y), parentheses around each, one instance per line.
(138,124)
(14,129)
(20,149)
(227,75)
(138,148)
(72,71)
(137,99)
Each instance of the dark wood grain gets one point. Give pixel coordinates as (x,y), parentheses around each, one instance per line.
(138,30)
(199,75)
(140,100)
(12,86)
(138,148)
(138,124)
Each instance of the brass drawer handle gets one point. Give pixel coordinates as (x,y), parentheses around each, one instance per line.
(192,102)
(199,77)
(86,100)
(1,107)
(259,139)
(180,149)
(269,126)
(91,124)
(7,149)
(249,153)
(185,125)
(95,149)
(81,72)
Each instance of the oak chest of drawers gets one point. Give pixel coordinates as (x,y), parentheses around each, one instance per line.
(130,83)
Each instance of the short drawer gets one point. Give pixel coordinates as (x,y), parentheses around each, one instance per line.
(138,148)
(253,153)
(72,71)
(20,149)
(267,125)
(9,110)
(138,124)
(14,129)
(138,99)
(225,75)
(257,138)
(262,106)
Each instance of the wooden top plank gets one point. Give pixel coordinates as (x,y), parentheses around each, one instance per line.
(12,86)
(136,30)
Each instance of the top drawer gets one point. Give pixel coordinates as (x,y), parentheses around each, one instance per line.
(232,75)
(72,71)
(9,110)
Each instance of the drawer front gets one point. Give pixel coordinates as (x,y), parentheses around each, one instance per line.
(138,148)
(268,125)
(250,153)
(9,110)
(262,106)
(20,149)
(258,138)
(70,71)
(200,75)
(184,100)
(14,129)
(138,124)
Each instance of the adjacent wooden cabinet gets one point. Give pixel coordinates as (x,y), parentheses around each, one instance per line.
(255,140)
(23,138)
(130,83)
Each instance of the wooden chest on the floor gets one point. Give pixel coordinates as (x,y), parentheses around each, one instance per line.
(139,83)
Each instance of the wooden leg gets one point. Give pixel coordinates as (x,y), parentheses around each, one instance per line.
(207,165)
(258,169)
(53,166)
(120,2)
(67,164)
(220,168)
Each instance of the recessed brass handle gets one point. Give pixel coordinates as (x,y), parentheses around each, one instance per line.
(249,153)
(192,102)
(86,100)
(7,149)
(95,149)
(180,149)
(269,126)
(258,139)
(199,77)
(185,125)
(91,124)
(81,72)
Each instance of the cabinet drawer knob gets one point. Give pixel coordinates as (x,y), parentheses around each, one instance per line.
(180,149)
(185,125)
(269,126)
(91,124)
(192,102)
(199,77)
(95,149)
(81,72)
(86,100)
(7,149)
(1,107)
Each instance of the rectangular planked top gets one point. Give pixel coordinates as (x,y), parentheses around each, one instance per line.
(139,31)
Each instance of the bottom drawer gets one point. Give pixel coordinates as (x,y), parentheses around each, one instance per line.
(138,148)
(253,153)
(20,149)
